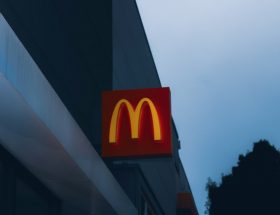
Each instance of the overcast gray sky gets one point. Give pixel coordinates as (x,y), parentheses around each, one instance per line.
(221,59)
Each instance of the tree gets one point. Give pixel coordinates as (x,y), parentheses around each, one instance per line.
(252,188)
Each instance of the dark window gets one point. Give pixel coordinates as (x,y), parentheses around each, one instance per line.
(146,207)
(21,193)
(28,201)
(1,186)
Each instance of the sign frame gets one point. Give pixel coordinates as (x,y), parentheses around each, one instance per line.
(136,123)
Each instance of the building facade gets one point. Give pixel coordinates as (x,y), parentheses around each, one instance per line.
(56,59)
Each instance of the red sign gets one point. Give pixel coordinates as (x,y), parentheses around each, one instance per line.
(136,123)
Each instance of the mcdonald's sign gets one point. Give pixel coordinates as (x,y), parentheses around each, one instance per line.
(136,123)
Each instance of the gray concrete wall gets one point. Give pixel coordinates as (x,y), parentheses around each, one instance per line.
(133,67)
(71,43)
(39,131)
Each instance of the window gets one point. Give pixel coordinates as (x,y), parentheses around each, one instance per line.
(21,193)
(28,201)
(146,208)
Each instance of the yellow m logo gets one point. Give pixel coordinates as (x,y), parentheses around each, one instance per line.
(134,116)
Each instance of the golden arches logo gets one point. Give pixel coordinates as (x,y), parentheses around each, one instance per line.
(134,116)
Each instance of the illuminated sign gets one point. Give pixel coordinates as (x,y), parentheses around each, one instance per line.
(136,123)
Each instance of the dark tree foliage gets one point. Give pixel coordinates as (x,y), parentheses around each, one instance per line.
(252,188)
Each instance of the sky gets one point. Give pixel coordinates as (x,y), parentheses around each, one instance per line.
(221,59)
